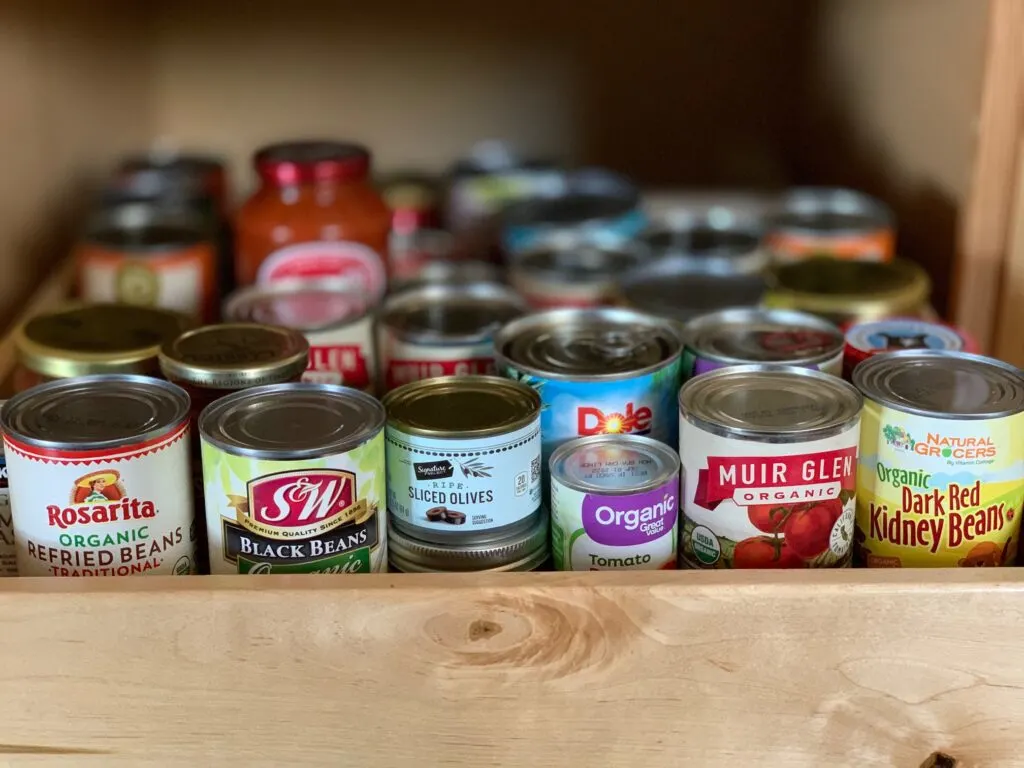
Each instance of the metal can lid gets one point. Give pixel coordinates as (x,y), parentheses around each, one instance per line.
(450,314)
(833,211)
(719,241)
(523,551)
(568,209)
(597,344)
(899,333)
(670,287)
(84,339)
(235,355)
(94,412)
(566,261)
(445,270)
(462,406)
(940,384)
(142,228)
(763,336)
(302,305)
(291,421)
(770,403)
(614,464)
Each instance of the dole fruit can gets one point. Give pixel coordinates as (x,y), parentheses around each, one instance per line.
(941,478)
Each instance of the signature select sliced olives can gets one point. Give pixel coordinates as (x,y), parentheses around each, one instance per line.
(294,480)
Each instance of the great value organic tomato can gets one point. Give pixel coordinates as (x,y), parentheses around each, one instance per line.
(769,457)
(941,478)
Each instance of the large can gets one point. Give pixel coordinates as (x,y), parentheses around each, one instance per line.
(749,336)
(941,478)
(336,320)
(598,371)
(614,504)
(8,557)
(442,330)
(463,458)
(99,477)
(567,273)
(294,480)
(863,340)
(769,459)
(837,223)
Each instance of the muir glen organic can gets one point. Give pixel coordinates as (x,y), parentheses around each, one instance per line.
(614,504)
(769,458)
(941,478)
(294,480)
(99,477)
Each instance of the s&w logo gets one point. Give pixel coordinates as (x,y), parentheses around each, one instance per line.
(299,505)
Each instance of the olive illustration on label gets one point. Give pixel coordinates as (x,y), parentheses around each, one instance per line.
(137,284)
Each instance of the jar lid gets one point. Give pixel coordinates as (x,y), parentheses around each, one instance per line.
(303,162)
(83,339)
(235,356)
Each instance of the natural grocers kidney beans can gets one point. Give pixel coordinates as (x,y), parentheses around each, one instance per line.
(941,479)
(769,462)
(614,504)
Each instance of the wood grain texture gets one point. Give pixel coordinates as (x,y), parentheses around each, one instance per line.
(658,669)
(1009,344)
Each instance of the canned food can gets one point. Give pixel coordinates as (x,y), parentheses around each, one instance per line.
(850,291)
(614,504)
(99,477)
(718,242)
(336,320)
(442,330)
(8,557)
(749,336)
(294,480)
(831,222)
(526,550)
(864,340)
(88,339)
(415,203)
(769,457)
(569,273)
(451,271)
(206,174)
(149,255)
(598,371)
(463,457)
(411,254)
(941,477)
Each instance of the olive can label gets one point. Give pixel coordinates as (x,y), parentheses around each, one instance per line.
(342,355)
(304,516)
(455,485)
(767,505)
(939,492)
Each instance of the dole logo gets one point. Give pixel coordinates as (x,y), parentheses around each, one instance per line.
(632,420)
(293,505)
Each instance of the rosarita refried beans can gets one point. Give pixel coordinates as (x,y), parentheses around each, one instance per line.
(941,479)
(99,477)
(294,480)
(769,458)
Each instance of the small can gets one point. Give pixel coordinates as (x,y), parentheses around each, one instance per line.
(850,291)
(598,371)
(749,336)
(614,504)
(99,477)
(569,273)
(526,550)
(941,478)
(442,330)
(86,339)
(463,458)
(148,255)
(898,333)
(831,222)
(336,320)
(294,480)
(8,558)
(769,457)
(718,242)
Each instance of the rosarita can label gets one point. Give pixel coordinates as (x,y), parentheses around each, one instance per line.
(941,479)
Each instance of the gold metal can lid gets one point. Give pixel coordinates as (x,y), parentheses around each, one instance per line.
(85,339)
(462,406)
(235,356)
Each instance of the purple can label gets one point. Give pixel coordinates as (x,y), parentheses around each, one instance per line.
(636,519)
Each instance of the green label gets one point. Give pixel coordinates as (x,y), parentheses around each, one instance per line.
(357,561)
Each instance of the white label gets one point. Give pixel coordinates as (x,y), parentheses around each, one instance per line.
(343,355)
(126,513)
(458,485)
(363,265)
(168,283)
(403,362)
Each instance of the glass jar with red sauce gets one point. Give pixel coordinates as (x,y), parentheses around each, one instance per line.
(315,214)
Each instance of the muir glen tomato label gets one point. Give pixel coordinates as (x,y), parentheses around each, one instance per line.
(767,505)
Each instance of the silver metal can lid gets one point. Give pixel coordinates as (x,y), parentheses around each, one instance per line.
(614,464)
(763,336)
(596,344)
(942,384)
(718,241)
(94,412)
(523,551)
(576,262)
(770,403)
(831,210)
(450,314)
(291,421)
(670,287)
(302,305)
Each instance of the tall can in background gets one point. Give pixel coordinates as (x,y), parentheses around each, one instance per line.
(941,479)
